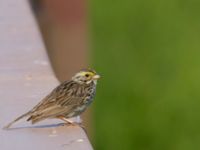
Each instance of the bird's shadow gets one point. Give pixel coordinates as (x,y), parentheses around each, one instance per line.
(44,126)
(37,126)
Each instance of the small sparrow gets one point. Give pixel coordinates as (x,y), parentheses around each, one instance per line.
(67,100)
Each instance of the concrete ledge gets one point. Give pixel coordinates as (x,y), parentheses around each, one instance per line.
(25,78)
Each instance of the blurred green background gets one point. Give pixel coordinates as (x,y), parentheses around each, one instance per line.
(148,53)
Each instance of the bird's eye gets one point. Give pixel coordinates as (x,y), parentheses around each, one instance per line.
(87,75)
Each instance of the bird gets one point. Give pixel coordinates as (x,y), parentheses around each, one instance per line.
(67,100)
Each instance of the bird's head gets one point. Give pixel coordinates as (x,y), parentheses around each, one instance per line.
(86,76)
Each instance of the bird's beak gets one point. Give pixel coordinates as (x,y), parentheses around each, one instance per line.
(95,77)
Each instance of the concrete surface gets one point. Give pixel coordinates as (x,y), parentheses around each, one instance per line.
(65,27)
(25,78)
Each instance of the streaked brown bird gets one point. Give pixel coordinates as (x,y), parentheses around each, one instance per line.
(67,100)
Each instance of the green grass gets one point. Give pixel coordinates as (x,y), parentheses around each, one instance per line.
(148,54)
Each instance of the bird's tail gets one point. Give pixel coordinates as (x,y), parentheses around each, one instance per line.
(11,123)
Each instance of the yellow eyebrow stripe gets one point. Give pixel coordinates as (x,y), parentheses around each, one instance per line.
(84,73)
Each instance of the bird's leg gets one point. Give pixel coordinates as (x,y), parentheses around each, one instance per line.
(66,120)
(71,122)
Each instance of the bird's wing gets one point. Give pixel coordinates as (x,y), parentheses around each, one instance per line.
(50,112)
(60,101)
(56,97)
